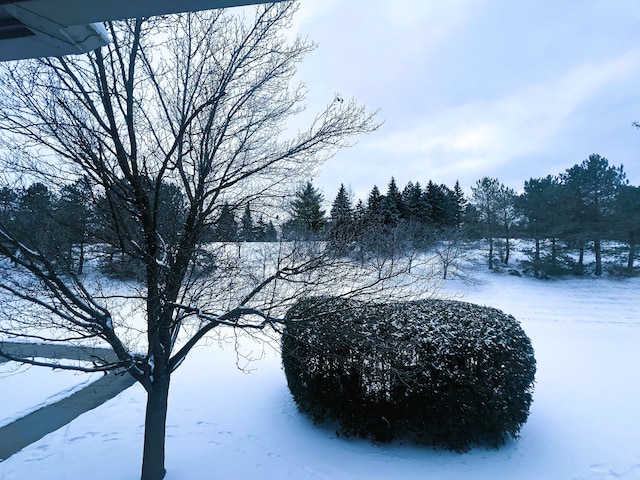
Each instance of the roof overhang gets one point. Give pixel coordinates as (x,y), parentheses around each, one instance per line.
(44,28)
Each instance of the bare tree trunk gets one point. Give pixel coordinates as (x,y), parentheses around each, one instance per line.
(491,253)
(81,258)
(507,250)
(581,256)
(154,429)
(536,259)
(632,251)
(598,251)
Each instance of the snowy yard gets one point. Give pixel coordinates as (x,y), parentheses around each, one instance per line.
(25,388)
(227,424)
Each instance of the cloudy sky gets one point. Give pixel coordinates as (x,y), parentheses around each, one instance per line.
(473,88)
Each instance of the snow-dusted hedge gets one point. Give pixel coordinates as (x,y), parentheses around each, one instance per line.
(443,373)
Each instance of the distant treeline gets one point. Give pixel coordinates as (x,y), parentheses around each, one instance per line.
(563,216)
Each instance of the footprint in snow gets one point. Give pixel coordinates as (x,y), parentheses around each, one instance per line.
(607,472)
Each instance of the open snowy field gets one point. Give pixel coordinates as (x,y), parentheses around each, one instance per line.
(227,424)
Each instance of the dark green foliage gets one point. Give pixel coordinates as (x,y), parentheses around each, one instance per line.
(308,220)
(341,229)
(74,218)
(120,224)
(270,233)
(247,228)
(121,266)
(497,216)
(593,186)
(226,227)
(34,220)
(443,205)
(460,204)
(443,373)
(391,205)
(627,220)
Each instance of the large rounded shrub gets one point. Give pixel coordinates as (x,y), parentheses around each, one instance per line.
(438,372)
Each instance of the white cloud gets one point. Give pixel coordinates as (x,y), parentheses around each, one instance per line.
(468,88)
(493,133)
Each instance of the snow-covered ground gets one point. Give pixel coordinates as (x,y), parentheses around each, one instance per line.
(227,424)
(25,388)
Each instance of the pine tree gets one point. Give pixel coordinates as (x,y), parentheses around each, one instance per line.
(442,204)
(507,217)
(485,197)
(593,187)
(270,233)
(247,232)
(341,228)
(359,218)
(540,207)
(460,204)
(35,221)
(627,220)
(374,206)
(259,231)
(307,216)
(74,217)
(391,205)
(416,207)
(226,227)
(8,204)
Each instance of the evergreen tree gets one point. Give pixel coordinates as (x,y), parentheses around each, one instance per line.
(416,215)
(460,204)
(451,206)
(391,205)
(34,220)
(374,206)
(593,186)
(359,219)
(270,233)
(170,205)
(540,205)
(8,206)
(116,224)
(74,216)
(308,218)
(472,225)
(259,231)
(442,204)
(368,221)
(486,194)
(507,217)
(247,227)
(341,229)
(374,200)
(226,227)
(627,220)
(415,208)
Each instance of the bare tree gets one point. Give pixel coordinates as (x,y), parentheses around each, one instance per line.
(201,102)
(451,249)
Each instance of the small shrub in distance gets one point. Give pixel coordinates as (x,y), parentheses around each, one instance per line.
(443,373)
